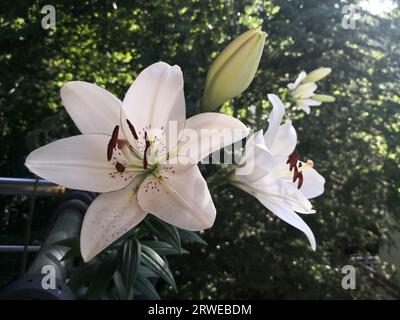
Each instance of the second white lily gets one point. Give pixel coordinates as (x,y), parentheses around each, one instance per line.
(271,171)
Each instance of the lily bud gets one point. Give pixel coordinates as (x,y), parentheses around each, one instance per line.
(323,98)
(317,75)
(234,69)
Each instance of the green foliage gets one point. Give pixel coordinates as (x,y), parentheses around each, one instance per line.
(250,254)
(129,268)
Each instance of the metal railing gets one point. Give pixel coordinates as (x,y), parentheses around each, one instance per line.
(67,221)
(22,186)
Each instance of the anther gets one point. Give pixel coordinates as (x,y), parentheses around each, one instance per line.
(145,163)
(132,128)
(112,143)
(295,174)
(292,160)
(301,178)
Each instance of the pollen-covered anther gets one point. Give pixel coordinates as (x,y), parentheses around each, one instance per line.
(310,163)
(120,167)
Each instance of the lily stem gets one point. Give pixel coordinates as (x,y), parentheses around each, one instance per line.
(28,226)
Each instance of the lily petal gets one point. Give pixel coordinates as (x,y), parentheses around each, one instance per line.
(305,90)
(181,198)
(256,162)
(285,140)
(303,106)
(313,184)
(275,119)
(110,215)
(209,132)
(79,162)
(154,100)
(312,102)
(289,216)
(302,75)
(274,187)
(93,109)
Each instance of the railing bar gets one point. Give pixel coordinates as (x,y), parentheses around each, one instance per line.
(18,248)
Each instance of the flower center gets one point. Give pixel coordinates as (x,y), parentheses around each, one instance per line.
(127,159)
(297,167)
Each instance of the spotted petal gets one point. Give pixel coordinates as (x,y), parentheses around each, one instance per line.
(181,198)
(78,162)
(154,101)
(110,215)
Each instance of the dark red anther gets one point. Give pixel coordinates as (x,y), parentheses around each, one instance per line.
(120,167)
(301,178)
(145,163)
(295,174)
(292,160)
(132,128)
(112,143)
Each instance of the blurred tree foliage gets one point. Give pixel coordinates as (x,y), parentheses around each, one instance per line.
(353,142)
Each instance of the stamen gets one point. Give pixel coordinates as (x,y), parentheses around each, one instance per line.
(295,174)
(145,163)
(120,167)
(112,143)
(292,160)
(131,127)
(301,179)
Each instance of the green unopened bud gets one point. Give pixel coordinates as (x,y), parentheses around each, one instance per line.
(323,98)
(234,69)
(317,75)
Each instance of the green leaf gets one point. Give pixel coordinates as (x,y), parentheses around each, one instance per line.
(143,285)
(146,272)
(156,264)
(191,236)
(164,231)
(163,248)
(130,262)
(103,276)
(120,292)
(82,276)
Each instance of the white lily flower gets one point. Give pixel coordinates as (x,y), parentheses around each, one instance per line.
(281,182)
(303,89)
(124,152)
